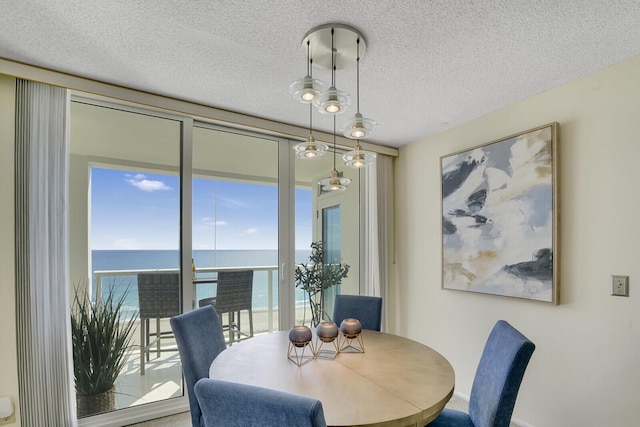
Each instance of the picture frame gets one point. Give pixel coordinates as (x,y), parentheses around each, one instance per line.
(500,217)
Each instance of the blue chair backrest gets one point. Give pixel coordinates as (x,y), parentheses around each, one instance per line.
(495,387)
(231,404)
(200,339)
(368,310)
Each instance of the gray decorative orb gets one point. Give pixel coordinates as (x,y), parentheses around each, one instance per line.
(300,335)
(327,331)
(350,327)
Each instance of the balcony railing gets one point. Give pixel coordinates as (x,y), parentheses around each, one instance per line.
(271,272)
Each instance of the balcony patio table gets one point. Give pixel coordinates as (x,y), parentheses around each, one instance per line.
(395,382)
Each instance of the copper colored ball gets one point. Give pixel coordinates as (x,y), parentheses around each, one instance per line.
(350,327)
(300,335)
(327,331)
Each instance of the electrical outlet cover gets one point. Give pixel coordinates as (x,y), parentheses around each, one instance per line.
(620,286)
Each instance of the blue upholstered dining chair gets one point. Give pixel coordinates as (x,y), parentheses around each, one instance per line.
(231,404)
(200,339)
(495,387)
(368,310)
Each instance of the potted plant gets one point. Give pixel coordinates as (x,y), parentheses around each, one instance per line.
(316,276)
(101,339)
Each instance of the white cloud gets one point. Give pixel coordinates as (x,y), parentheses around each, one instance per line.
(207,220)
(232,203)
(140,181)
(251,231)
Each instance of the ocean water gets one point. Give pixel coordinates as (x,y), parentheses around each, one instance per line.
(160,259)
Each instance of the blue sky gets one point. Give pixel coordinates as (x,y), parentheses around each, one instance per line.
(131,210)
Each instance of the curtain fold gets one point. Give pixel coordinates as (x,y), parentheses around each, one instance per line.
(378,230)
(45,381)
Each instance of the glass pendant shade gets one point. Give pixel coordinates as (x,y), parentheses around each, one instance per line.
(358,158)
(305,89)
(358,127)
(335,182)
(310,149)
(334,47)
(332,101)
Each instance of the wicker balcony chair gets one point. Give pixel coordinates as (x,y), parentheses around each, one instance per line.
(159,298)
(234,294)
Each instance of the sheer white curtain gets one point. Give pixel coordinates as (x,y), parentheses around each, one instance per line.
(378,229)
(47,395)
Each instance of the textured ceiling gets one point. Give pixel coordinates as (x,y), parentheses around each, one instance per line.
(430,65)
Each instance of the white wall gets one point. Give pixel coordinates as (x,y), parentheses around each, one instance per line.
(584,371)
(8,356)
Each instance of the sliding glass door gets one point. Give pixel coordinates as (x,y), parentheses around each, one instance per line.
(125,243)
(235,222)
(161,202)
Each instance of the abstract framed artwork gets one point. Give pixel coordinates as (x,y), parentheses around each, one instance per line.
(500,217)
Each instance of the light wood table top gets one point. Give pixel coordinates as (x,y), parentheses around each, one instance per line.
(395,382)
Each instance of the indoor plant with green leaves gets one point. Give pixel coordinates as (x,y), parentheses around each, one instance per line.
(316,276)
(101,339)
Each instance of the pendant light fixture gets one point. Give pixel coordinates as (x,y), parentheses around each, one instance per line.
(335,182)
(334,46)
(305,89)
(358,127)
(332,101)
(310,149)
(358,158)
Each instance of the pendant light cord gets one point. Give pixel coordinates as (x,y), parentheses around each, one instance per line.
(333,83)
(310,64)
(308,59)
(334,141)
(333,62)
(358,75)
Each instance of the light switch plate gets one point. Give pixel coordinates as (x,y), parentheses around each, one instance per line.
(620,286)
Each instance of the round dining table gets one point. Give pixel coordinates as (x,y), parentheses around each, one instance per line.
(394,382)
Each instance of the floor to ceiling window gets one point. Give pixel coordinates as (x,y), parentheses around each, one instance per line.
(125,225)
(235,222)
(129,219)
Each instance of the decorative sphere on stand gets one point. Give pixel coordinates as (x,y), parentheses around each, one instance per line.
(327,331)
(350,327)
(299,342)
(300,335)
